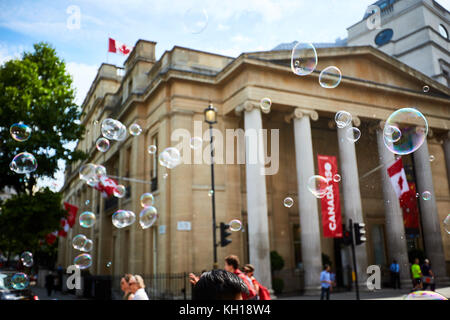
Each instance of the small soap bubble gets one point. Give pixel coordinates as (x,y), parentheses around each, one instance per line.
(27,258)
(196,143)
(87,202)
(195,20)
(88,245)
(353,134)
(109,264)
(336,178)
(135,129)
(19,281)
(23,163)
(152,149)
(330,77)
(123,218)
(317,185)
(20,132)
(447,224)
(426,89)
(170,158)
(235,225)
(147,200)
(87,219)
(432,158)
(265,105)
(78,241)
(426,195)
(147,217)
(343,119)
(210,193)
(83,261)
(288,202)
(120,191)
(102,144)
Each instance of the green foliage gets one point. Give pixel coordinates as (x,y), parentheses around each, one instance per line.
(26,219)
(276,261)
(277,285)
(37,91)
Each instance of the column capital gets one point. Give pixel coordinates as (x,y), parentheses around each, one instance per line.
(300,113)
(356,121)
(249,106)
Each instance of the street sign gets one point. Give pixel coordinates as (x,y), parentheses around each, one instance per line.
(184,225)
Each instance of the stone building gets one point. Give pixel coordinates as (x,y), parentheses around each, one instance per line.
(416,32)
(172,93)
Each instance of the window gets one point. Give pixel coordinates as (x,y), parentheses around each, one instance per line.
(297,246)
(154,164)
(384,37)
(443,31)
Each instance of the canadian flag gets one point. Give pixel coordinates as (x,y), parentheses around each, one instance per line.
(106,186)
(72,213)
(398,178)
(51,237)
(64,228)
(117,47)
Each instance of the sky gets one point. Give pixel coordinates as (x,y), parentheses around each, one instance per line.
(231,27)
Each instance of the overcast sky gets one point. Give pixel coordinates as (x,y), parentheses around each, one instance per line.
(233,27)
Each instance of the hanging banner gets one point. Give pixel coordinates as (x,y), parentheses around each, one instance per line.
(330,204)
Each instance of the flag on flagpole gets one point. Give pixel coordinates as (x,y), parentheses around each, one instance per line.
(106,186)
(51,237)
(72,210)
(118,47)
(398,178)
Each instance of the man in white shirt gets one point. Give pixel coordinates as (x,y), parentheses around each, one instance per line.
(137,287)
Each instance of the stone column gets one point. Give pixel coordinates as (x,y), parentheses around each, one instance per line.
(258,228)
(352,195)
(429,215)
(395,229)
(447,155)
(308,209)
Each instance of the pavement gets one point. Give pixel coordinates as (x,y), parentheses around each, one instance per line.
(382,294)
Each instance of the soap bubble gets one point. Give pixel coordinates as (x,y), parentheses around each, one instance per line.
(195,20)
(392,133)
(353,134)
(288,202)
(135,129)
(100,171)
(165,175)
(102,144)
(20,132)
(447,224)
(83,261)
(87,202)
(147,200)
(120,191)
(424,295)
(23,163)
(87,172)
(109,264)
(330,77)
(87,219)
(88,245)
(337,178)
(235,225)
(343,119)
(19,281)
(123,218)
(265,105)
(426,195)
(432,158)
(78,241)
(413,127)
(27,258)
(196,143)
(152,149)
(147,217)
(113,129)
(303,59)
(426,89)
(317,185)
(170,158)
(210,193)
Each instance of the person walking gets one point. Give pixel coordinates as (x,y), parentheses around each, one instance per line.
(395,274)
(428,276)
(261,292)
(416,275)
(125,287)
(137,286)
(49,283)
(325,281)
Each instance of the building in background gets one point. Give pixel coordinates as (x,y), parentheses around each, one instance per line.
(172,93)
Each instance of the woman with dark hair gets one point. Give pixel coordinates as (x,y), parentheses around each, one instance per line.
(125,287)
(219,285)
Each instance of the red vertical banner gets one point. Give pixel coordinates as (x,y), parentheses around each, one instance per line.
(330,204)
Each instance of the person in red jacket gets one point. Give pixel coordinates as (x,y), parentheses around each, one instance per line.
(261,291)
(232,265)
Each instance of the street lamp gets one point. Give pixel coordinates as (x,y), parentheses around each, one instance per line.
(210,118)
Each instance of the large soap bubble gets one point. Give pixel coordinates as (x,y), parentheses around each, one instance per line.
(23,163)
(413,127)
(303,59)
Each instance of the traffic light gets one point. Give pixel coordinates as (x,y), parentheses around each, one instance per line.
(347,237)
(224,234)
(360,233)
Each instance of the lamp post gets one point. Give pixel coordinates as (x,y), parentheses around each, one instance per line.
(210,118)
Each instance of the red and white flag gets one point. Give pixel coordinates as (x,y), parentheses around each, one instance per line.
(106,186)
(64,228)
(398,178)
(51,237)
(118,47)
(72,210)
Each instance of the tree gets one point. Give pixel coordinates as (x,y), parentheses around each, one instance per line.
(25,219)
(37,90)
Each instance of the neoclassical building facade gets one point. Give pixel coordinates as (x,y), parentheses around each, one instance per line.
(172,93)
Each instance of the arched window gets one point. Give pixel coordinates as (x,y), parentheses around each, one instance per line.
(443,31)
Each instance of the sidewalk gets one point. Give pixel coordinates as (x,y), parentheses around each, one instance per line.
(383,294)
